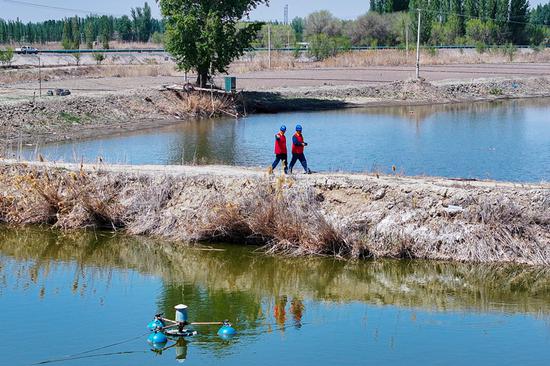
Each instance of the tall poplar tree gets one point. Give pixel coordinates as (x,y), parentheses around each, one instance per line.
(519,16)
(207,35)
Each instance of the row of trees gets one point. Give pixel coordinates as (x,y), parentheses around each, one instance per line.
(73,32)
(445,22)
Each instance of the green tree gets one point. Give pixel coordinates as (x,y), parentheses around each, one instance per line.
(75,33)
(518,20)
(124,28)
(67,35)
(471,8)
(89,34)
(427,18)
(539,16)
(298,26)
(323,22)
(205,35)
(372,27)
(142,23)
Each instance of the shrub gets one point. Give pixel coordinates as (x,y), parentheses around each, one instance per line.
(509,50)
(77,57)
(322,46)
(6,56)
(99,58)
(481,47)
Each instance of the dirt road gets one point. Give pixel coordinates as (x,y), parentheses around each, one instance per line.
(277,79)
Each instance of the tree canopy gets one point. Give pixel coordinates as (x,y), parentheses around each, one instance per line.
(207,35)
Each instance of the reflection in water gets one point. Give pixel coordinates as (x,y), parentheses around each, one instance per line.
(237,275)
(111,285)
(505,140)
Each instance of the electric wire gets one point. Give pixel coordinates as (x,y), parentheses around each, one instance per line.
(53,7)
(462,15)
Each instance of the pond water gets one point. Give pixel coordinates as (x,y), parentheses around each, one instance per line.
(500,140)
(85,299)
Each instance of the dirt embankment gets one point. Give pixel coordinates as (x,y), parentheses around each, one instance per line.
(344,215)
(60,118)
(422,92)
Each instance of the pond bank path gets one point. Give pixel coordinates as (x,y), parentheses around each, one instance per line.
(332,214)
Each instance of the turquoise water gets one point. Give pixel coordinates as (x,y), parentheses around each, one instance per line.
(502,141)
(85,299)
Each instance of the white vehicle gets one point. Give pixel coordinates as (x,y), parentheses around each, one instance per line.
(26,50)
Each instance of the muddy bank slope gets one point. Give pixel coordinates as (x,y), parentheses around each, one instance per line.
(61,118)
(418,92)
(343,215)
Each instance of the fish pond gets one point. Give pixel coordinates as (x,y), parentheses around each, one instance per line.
(506,140)
(85,298)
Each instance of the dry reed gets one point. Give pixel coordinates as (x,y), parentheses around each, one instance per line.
(337,217)
(286,61)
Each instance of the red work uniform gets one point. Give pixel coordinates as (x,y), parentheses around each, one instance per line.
(280,144)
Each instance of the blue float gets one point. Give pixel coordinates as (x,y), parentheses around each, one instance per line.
(153,325)
(227,331)
(157,338)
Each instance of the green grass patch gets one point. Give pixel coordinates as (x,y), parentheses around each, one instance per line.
(70,118)
(495,91)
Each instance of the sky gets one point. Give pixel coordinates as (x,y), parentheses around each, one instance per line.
(11,9)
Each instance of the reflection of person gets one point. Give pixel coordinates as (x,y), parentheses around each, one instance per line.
(281,153)
(298,145)
(279,311)
(297,309)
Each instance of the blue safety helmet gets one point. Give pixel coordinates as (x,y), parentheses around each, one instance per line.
(298,127)
(283,128)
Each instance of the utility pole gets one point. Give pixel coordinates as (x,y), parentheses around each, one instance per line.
(269,44)
(40,76)
(418,46)
(407,38)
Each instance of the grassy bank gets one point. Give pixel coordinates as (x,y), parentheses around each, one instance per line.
(347,216)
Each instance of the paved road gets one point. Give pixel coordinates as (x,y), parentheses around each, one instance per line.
(263,80)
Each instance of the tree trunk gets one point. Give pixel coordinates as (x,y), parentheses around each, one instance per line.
(202,78)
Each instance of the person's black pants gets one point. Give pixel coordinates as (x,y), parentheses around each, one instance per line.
(284,159)
(303,161)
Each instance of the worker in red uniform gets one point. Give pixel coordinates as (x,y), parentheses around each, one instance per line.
(281,153)
(298,145)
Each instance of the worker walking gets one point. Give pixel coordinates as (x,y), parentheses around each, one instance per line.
(281,153)
(298,145)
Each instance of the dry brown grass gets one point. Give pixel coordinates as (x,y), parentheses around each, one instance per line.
(346,219)
(286,61)
(88,71)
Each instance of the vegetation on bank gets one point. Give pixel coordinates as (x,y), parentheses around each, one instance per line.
(334,216)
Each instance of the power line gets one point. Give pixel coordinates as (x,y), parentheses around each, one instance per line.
(43,6)
(479,18)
